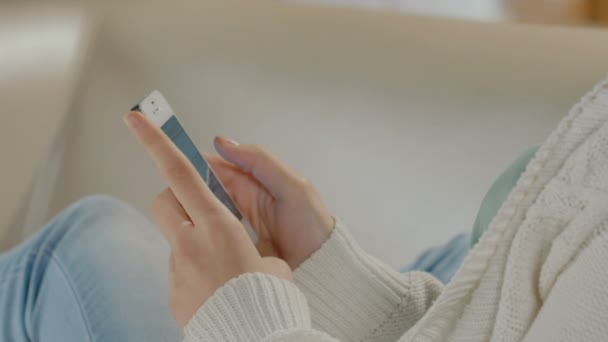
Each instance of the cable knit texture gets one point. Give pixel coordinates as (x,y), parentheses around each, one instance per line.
(538,274)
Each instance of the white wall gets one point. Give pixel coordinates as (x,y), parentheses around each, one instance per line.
(471,9)
(401,135)
(40,55)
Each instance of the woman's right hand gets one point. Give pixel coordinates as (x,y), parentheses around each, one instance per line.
(282,207)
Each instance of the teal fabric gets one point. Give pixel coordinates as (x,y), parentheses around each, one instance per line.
(498,194)
(443,261)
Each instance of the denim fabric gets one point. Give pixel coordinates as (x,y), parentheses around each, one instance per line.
(442,261)
(97,272)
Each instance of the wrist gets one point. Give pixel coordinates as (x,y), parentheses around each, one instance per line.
(314,240)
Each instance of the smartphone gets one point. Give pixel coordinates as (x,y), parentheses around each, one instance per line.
(156,108)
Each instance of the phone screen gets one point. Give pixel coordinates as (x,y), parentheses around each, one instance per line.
(156,108)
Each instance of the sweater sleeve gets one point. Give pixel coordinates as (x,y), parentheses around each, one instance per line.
(254,307)
(352,297)
(576,308)
(355,297)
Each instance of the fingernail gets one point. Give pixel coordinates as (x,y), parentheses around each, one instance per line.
(227,141)
(133,120)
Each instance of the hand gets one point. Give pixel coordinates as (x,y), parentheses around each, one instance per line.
(282,207)
(208,244)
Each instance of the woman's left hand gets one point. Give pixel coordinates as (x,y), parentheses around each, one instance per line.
(208,244)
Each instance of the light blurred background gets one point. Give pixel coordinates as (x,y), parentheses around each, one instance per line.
(401,112)
(569,12)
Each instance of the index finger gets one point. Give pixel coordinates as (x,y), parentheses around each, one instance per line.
(187,185)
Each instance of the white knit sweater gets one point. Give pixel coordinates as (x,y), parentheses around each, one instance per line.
(538,274)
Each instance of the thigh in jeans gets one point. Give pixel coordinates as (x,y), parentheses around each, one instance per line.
(97,272)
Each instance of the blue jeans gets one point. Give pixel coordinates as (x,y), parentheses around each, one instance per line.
(442,261)
(98,272)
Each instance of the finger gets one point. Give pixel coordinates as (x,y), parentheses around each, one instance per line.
(187,185)
(169,214)
(263,166)
(227,172)
(233,178)
(249,195)
(242,187)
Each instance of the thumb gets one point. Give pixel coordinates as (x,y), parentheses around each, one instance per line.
(275,176)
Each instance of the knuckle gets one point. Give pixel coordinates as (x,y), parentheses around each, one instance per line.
(305,182)
(306,185)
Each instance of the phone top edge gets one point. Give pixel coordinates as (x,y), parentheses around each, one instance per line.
(156,108)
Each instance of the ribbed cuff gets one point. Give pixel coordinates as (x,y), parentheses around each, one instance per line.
(251,307)
(351,294)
